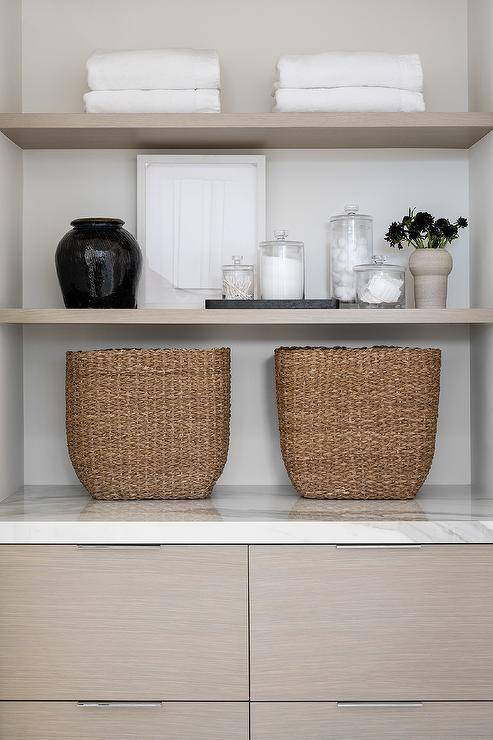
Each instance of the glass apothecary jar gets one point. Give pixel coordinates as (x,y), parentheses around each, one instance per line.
(238,280)
(282,268)
(350,244)
(380,284)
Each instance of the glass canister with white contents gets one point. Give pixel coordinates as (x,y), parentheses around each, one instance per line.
(282,268)
(350,244)
(238,280)
(380,284)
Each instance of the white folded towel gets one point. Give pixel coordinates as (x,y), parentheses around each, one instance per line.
(153,69)
(348,99)
(152,101)
(351,69)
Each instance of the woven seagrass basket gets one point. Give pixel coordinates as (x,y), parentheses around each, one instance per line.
(145,424)
(357,423)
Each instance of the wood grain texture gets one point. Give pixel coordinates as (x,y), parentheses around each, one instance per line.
(163,316)
(364,624)
(324,721)
(165,623)
(246,130)
(68,721)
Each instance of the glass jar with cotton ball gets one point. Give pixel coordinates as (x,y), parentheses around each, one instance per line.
(380,284)
(350,244)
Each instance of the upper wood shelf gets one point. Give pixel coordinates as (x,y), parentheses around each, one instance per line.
(163,316)
(246,130)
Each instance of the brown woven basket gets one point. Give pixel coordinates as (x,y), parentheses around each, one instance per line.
(147,424)
(357,423)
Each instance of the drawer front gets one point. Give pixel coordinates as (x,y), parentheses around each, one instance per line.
(126,624)
(321,721)
(332,624)
(182,721)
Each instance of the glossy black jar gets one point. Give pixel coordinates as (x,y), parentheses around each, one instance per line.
(98,264)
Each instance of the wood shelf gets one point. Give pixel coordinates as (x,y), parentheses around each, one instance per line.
(246,130)
(164,316)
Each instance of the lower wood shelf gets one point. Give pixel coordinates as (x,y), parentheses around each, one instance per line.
(163,316)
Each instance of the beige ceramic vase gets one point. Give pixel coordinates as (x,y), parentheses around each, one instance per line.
(430,269)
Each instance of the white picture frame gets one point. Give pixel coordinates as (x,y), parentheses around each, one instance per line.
(194,211)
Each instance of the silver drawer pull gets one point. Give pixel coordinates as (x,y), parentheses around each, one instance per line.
(378,547)
(380,704)
(120,704)
(118,547)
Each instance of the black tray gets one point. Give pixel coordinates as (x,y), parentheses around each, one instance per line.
(308,303)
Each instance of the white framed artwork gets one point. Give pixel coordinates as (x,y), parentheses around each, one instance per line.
(194,211)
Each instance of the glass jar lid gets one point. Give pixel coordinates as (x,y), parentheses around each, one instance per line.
(237,264)
(281,237)
(351,211)
(379,261)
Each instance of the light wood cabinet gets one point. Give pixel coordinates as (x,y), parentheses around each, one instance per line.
(123,624)
(102,643)
(328,721)
(151,721)
(332,624)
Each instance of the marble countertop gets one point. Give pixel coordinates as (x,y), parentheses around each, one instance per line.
(245,515)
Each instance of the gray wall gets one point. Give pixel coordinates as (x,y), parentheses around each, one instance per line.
(59,35)
(11,438)
(480,29)
(10,55)
(481,198)
(304,188)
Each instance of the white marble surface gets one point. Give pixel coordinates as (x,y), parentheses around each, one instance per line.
(247,515)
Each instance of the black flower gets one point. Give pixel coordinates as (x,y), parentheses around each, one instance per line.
(448,230)
(395,234)
(441,224)
(414,231)
(421,231)
(423,221)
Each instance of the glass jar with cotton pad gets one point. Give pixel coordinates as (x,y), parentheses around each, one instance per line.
(350,244)
(281,268)
(380,284)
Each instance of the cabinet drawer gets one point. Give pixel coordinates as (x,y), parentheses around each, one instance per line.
(330,624)
(123,623)
(328,721)
(182,721)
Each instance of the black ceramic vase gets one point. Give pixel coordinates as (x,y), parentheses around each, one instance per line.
(98,264)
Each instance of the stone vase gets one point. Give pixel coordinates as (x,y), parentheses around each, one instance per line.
(430,269)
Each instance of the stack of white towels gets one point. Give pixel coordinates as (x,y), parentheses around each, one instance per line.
(349,81)
(153,81)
